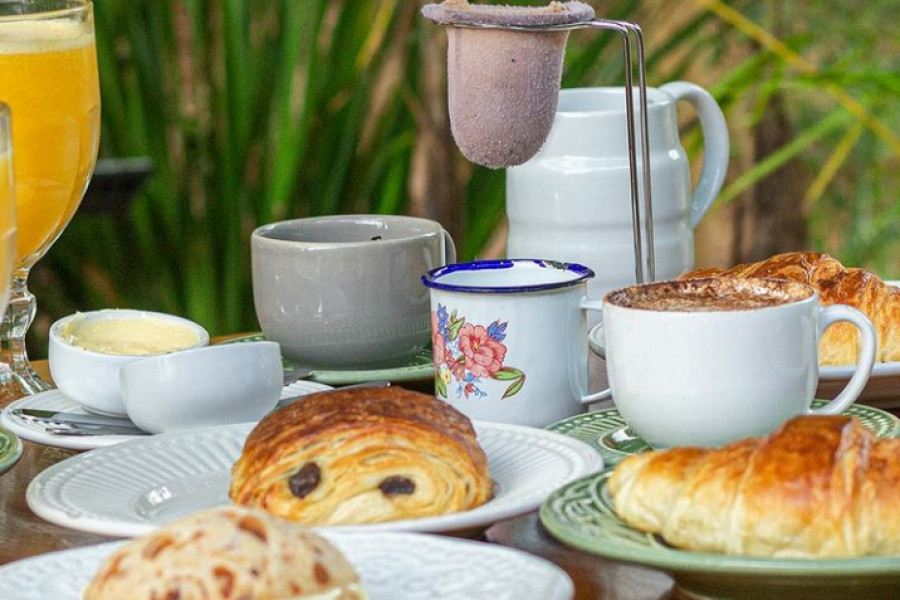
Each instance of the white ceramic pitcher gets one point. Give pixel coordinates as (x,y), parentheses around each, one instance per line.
(572,201)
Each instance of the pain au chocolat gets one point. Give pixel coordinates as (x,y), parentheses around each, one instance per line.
(836,284)
(820,486)
(363,455)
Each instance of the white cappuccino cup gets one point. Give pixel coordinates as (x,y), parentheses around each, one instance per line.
(704,362)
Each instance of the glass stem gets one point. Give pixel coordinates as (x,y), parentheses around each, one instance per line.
(17,378)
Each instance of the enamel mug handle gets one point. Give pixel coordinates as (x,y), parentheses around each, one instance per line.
(594,304)
(715,144)
(840,312)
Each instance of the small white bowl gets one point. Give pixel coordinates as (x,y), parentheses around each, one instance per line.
(216,385)
(90,377)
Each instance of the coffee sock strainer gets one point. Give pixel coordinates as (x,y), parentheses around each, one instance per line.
(503,73)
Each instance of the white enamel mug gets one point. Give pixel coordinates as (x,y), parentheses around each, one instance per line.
(510,339)
(731,365)
(572,200)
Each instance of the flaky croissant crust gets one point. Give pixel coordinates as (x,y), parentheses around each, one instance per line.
(836,284)
(372,455)
(820,486)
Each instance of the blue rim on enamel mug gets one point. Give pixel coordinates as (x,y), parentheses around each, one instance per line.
(512,276)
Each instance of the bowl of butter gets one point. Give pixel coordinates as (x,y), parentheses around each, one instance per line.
(87,350)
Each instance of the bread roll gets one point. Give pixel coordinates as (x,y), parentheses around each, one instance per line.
(226,554)
(836,284)
(364,455)
(820,486)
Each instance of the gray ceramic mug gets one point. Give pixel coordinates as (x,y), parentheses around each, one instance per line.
(345,291)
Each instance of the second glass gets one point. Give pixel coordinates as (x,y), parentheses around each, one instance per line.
(48,77)
(7,208)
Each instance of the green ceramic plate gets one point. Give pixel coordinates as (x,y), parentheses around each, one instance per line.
(10,449)
(608,433)
(580,514)
(419,368)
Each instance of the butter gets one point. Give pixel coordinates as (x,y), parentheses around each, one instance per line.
(133,336)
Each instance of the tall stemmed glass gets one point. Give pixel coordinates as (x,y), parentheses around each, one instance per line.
(48,77)
(7,208)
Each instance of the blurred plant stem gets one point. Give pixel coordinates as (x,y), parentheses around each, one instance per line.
(260,110)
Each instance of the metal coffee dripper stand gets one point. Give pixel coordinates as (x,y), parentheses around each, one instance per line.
(633,55)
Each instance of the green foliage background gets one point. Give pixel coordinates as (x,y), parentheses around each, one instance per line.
(260,110)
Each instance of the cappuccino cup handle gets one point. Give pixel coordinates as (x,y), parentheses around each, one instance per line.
(594,304)
(715,144)
(840,312)
(449,249)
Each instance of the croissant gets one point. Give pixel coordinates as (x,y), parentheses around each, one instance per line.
(820,486)
(364,455)
(836,284)
(226,554)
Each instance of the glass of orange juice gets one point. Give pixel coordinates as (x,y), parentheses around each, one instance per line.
(48,77)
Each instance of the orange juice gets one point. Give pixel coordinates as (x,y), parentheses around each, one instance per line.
(48,77)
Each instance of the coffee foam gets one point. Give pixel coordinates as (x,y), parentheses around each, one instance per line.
(710,295)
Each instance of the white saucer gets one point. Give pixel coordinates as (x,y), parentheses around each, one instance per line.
(56,401)
(132,488)
(416,368)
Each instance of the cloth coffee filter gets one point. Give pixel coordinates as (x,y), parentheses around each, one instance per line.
(503,84)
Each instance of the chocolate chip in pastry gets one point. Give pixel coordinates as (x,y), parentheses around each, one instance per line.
(364,455)
(227,554)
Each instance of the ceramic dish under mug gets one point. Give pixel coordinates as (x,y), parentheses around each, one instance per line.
(607,432)
(580,514)
(418,368)
(10,449)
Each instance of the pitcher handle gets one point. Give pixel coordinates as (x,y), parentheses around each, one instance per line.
(715,144)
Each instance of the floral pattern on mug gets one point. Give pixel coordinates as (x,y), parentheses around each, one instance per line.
(468,353)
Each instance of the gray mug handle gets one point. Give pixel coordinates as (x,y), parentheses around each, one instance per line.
(595,304)
(449,248)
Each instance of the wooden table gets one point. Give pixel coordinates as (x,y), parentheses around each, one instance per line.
(23,534)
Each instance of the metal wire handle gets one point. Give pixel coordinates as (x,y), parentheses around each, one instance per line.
(632,48)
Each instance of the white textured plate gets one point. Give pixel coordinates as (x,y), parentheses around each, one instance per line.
(131,488)
(392,566)
(55,400)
